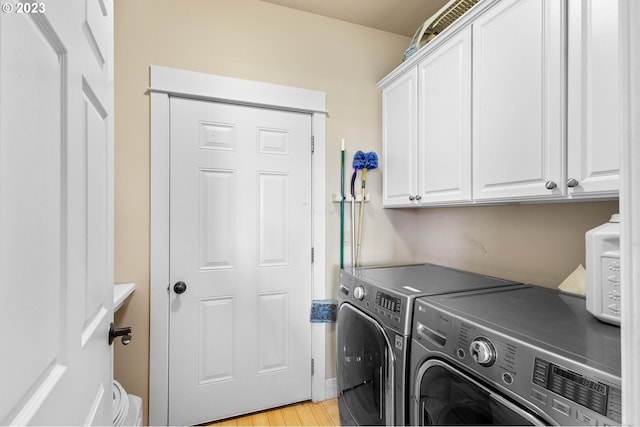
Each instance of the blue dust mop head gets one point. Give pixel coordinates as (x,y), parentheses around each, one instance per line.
(371,160)
(359,160)
(323,310)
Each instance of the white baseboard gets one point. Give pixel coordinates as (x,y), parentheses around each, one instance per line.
(331,387)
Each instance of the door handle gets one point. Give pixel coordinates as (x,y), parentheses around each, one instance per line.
(114,333)
(180,287)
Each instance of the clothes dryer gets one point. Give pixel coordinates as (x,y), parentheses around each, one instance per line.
(374,331)
(523,355)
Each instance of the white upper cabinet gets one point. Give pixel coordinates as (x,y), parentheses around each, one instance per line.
(519,101)
(400,139)
(444,128)
(594,98)
(426,142)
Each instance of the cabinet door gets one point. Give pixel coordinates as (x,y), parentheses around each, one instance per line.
(399,140)
(444,144)
(594,98)
(518,101)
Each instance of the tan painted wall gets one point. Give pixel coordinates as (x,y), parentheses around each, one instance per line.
(539,244)
(254,40)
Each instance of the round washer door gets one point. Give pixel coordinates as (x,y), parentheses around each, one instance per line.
(445,395)
(365,370)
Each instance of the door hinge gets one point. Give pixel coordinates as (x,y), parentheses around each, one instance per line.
(313,366)
(313,143)
(313,255)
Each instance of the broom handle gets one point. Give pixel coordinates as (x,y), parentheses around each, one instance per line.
(353,218)
(364,179)
(342,206)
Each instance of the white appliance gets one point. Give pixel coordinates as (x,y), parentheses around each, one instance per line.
(603,271)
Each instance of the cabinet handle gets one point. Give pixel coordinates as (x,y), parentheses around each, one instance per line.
(550,185)
(572,182)
(411,198)
(418,197)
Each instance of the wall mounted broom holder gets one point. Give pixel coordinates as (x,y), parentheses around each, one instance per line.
(337,197)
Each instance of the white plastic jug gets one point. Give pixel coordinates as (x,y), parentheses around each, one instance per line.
(603,271)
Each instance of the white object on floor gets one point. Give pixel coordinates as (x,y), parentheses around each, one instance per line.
(127,408)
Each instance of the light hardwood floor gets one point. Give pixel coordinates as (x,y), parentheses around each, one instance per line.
(323,413)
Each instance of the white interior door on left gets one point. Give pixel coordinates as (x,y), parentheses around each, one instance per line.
(56,192)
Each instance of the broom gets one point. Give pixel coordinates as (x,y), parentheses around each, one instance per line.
(342,204)
(358,163)
(370,162)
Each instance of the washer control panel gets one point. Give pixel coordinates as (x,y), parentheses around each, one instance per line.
(390,309)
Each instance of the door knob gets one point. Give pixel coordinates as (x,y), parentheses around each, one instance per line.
(114,333)
(180,287)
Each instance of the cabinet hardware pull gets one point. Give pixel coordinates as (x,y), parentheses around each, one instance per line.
(572,182)
(550,185)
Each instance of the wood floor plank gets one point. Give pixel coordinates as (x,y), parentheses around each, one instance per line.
(331,406)
(323,413)
(232,422)
(246,420)
(275,418)
(306,414)
(290,416)
(260,419)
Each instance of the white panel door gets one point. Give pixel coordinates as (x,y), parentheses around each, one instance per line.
(444,145)
(56,262)
(519,100)
(240,241)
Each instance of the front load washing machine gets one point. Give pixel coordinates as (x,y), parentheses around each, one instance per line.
(374,329)
(523,355)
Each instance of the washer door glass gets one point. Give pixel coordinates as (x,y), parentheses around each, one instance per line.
(446,396)
(364,371)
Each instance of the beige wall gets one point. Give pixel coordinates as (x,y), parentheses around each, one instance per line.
(254,40)
(539,244)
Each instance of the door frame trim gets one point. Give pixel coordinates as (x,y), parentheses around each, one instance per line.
(164,83)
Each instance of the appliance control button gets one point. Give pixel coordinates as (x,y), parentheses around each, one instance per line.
(539,396)
(507,378)
(460,352)
(483,351)
(358,293)
(585,419)
(561,407)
